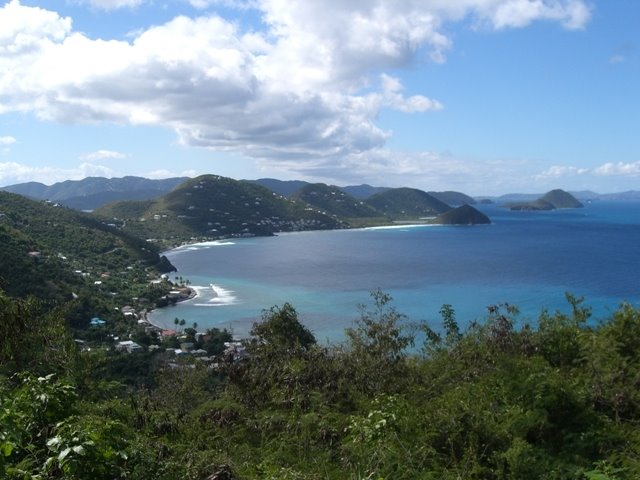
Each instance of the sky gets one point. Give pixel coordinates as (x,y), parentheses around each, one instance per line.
(484,97)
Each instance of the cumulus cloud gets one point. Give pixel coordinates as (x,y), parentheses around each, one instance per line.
(520,13)
(620,168)
(103,155)
(299,89)
(392,97)
(13,172)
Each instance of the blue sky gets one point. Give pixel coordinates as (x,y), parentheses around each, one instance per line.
(480,96)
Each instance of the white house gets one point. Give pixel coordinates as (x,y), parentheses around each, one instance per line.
(128,346)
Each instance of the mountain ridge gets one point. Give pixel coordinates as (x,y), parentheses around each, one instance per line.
(93,192)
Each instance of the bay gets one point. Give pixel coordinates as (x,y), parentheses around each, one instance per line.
(527,259)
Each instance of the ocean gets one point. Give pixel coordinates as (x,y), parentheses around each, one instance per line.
(526,259)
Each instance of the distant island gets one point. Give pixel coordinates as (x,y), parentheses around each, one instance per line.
(552,200)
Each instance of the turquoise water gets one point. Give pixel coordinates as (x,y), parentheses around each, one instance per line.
(529,259)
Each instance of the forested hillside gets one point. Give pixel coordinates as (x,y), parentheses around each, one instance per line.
(407,203)
(211,206)
(429,400)
(56,254)
(335,201)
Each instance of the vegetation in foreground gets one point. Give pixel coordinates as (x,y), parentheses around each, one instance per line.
(493,401)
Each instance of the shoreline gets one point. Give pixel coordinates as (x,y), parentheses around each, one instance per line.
(145,314)
(220,242)
(229,240)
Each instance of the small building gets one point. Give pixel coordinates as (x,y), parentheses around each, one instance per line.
(129,311)
(168,333)
(128,346)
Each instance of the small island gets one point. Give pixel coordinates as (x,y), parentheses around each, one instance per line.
(552,200)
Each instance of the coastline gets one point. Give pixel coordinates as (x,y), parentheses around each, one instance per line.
(193,245)
(192,295)
(230,240)
(430,256)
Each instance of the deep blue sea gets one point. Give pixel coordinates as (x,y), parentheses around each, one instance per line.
(528,259)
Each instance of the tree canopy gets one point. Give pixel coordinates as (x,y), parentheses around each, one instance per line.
(496,400)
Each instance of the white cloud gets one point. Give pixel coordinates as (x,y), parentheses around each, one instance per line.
(572,14)
(103,155)
(301,89)
(13,172)
(619,169)
(392,98)
(111,4)
(557,171)
(7,140)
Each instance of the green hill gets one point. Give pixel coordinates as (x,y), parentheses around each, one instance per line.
(334,201)
(289,187)
(561,199)
(56,254)
(549,201)
(25,271)
(463,215)
(211,206)
(407,203)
